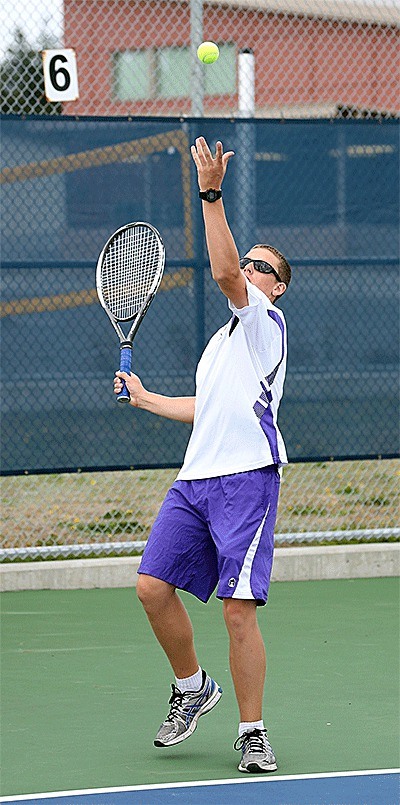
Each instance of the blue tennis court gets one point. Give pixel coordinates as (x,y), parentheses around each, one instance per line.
(351,788)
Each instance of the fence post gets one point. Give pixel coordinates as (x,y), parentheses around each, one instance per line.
(245,213)
(198,258)
(196,67)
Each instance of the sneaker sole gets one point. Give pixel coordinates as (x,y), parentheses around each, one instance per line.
(254,768)
(203,710)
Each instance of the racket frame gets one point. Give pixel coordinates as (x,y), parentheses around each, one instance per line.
(127,340)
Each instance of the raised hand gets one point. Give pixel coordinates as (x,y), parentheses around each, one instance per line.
(210,170)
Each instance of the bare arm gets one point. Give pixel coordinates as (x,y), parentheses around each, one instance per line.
(224,257)
(178,408)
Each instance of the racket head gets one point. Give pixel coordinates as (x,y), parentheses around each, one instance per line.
(129,270)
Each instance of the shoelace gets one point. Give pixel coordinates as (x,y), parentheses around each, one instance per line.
(175,702)
(255,741)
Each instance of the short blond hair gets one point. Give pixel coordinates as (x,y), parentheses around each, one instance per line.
(284,270)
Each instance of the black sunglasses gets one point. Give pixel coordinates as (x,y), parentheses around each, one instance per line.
(259,265)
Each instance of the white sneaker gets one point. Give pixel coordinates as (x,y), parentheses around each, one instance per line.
(185,711)
(257,754)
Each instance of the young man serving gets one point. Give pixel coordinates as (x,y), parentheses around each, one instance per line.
(215,528)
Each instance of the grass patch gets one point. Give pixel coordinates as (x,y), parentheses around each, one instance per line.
(378,500)
(86,508)
(305,511)
(348,490)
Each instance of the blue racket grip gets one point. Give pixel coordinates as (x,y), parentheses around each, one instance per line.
(125,365)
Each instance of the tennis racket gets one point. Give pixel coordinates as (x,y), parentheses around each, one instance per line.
(128,274)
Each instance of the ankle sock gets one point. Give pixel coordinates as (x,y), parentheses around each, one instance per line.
(192,683)
(249,726)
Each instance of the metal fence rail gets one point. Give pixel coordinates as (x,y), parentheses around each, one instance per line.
(136,547)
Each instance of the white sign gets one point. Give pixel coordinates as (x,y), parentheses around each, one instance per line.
(60,75)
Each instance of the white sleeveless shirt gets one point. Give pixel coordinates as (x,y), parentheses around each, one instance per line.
(239,385)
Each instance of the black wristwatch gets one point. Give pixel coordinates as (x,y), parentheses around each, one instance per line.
(210,194)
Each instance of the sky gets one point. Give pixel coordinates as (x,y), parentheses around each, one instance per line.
(33,16)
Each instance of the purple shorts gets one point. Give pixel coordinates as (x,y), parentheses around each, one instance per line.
(217,531)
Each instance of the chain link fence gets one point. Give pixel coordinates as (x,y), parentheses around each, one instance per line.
(111,513)
(312,58)
(67,184)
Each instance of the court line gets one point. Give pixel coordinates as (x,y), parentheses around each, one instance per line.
(65,648)
(198,784)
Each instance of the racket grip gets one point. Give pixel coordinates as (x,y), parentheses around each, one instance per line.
(125,365)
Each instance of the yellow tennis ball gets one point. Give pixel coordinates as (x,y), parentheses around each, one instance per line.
(208,52)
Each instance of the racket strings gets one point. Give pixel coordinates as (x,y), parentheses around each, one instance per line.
(130,269)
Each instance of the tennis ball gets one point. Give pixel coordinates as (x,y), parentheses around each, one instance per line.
(208,52)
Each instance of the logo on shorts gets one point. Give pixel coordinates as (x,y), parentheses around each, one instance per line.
(231,582)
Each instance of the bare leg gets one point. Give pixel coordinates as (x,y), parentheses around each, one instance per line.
(170,623)
(247,657)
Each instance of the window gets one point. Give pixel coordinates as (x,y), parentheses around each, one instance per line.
(131,75)
(173,72)
(165,73)
(222,80)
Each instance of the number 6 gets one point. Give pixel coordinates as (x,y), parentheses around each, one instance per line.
(55,73)
(60,75)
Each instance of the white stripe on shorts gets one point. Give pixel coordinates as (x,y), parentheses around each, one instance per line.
(243,588)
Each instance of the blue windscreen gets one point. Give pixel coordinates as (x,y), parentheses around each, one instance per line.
(326,193)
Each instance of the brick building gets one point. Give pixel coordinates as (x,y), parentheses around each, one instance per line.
(312,57)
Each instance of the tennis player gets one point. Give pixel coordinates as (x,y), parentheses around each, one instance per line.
(215,528)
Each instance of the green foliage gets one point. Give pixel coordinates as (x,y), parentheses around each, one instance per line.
(348,490)
(378,500)
(112,523)
(21,76)
(318,511)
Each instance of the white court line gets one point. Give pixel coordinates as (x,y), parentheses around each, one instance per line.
(33,612)
(71,648)
(198,784)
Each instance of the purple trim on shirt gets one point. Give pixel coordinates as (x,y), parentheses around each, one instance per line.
(258,409)
(268,426)
(261,407)
(273,315)
(266,393)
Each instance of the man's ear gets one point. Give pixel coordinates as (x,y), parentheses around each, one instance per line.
(279,289)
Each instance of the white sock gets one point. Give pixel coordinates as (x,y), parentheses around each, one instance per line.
(249,726)
(193,683)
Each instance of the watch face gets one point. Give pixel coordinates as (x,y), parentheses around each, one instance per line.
(210,194)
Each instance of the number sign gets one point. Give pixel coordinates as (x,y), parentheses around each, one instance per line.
(60,75)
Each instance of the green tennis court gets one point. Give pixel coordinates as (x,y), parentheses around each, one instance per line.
(85,687)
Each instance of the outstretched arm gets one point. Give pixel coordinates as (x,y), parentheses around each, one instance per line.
(179,408)
(224,258)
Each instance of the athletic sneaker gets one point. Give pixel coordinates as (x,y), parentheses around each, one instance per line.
(257,754)
(185,711)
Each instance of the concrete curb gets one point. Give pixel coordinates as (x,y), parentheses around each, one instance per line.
(337,562)
(290,564)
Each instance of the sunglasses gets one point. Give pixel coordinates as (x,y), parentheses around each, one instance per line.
(259,265)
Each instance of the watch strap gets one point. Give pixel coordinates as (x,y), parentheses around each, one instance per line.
(210,195)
